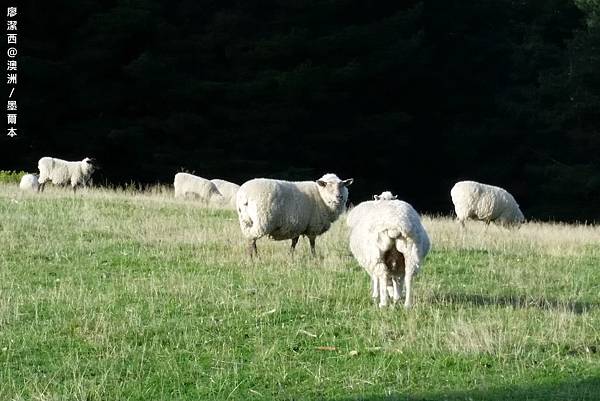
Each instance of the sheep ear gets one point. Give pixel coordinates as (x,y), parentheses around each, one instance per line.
(394,197)
(375,197)
(322,183)
(348,182)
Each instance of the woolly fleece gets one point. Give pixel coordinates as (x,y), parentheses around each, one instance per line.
(389,242)
(485,202)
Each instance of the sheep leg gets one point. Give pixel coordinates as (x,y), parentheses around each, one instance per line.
(375,287)
(41,186)
(397,284)
(487,224)
(294,243)
(407,287)
(312,240)
(383,295)
(252,248)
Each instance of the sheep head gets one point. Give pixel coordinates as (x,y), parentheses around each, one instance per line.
(334,191)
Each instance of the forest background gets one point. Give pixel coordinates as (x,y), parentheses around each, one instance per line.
(409,96)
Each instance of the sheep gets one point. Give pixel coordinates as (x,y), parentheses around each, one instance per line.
(389,242)
(485,202)
(286,210)
(29,182)
(228,190)
(385,195)
(62,172)
(187,185)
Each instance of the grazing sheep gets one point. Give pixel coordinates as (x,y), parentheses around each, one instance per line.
(29,182)
(62,172)
(389,242)
(485,202)
(228,190)
(286,210)
(188,185)
(385,195)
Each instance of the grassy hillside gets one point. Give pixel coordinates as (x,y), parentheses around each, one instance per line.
(111,295)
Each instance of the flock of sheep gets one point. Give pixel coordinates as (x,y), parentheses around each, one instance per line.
(386,235)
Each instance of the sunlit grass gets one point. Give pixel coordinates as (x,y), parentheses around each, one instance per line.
(136,295)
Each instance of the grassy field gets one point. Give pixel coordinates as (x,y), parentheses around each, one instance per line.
(136,296)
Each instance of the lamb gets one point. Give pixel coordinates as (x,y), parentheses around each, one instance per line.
(485,202)
(29,182)
(389,242)
(189,185)
(228,190)
(385,195)
(286,210)
(62,172)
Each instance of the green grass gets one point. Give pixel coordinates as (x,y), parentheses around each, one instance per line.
(112,295)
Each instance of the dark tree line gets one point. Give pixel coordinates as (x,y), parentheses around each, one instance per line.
(409,96)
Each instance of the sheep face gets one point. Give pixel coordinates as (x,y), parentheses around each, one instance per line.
(89,164)
(334,191)
(514,221)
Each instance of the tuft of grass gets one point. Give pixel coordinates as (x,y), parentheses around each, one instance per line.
(132,294)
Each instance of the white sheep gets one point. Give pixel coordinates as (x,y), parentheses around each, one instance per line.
(389,242)
(228,190)
(385,195)
(189,185)
(485,202)
(29,182)
(62,172)
(286,210)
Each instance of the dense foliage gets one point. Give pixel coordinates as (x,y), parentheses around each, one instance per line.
(403,95)
(11,177)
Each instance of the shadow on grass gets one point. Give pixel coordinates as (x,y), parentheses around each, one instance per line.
(575,390)
(516,301)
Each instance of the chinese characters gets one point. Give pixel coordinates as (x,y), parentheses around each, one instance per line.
(11,70)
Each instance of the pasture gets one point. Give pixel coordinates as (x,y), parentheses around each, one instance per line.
(129,295)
